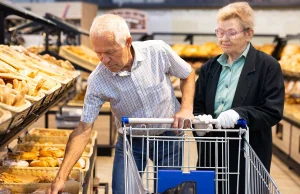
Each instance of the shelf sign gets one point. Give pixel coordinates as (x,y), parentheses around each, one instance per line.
(136,19)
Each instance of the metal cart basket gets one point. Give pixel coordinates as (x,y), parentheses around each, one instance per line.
(226,163)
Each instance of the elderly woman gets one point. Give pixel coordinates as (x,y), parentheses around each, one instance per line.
(241,83)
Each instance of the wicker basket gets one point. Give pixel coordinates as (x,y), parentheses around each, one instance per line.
(29,175)
(34,135)
(77,174)
(5,121)
(19,113)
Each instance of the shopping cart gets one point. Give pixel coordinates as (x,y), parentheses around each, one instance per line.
(170,160)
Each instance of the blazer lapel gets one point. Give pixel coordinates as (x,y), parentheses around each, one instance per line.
(213,80)
(245,79)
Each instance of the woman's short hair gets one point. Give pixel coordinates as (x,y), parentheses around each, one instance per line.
(113,24)
(240,10)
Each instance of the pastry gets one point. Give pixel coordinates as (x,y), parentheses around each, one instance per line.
(29,155)
(23,155)
(44,162)
(52,152)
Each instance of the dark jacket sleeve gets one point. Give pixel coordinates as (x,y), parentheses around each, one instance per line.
(269,110)
(200,92)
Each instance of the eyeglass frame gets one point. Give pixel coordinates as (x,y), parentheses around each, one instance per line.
(245,29)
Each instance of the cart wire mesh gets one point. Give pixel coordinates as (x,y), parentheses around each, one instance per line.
(223,153)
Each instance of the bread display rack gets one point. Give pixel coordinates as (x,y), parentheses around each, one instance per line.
(286,134)
(14,122)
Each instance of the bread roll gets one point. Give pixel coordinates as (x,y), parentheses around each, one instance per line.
(44,162)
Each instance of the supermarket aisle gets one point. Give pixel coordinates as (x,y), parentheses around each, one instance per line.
(287,181)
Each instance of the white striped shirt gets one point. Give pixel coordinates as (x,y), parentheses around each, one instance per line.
(146,93)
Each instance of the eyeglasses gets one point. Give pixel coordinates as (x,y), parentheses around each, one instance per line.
(231,33)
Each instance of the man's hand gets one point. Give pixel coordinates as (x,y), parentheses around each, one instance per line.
(228,119)
(56,187)
(180,116)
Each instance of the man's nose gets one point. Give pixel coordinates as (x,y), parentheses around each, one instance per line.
(105,59)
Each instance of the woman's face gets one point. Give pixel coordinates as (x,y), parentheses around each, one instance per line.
(232,37)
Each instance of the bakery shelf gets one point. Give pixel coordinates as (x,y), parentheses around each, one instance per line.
(291,117)
(190,39)
(292,114)
(14,132)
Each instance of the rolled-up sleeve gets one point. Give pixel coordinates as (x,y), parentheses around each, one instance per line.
(92,103)
(176,66)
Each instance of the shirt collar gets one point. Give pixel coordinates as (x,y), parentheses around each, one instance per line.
(138,54)
(138,57)
(223,58)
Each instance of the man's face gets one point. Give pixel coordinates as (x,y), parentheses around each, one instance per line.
(111,54)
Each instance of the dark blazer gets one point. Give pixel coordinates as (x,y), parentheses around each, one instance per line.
(259,97)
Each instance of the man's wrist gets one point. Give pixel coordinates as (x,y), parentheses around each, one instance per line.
(60,178)
(186,109)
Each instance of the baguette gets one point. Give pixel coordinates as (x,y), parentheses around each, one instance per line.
(12,76)
(6,95)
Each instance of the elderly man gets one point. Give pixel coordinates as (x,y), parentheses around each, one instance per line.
(135,78)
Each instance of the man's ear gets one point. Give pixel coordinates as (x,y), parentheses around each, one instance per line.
(129,41)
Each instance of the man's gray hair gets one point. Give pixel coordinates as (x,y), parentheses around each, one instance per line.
(112,24)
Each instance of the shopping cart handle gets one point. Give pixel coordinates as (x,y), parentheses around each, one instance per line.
(127,120)
(242,123)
